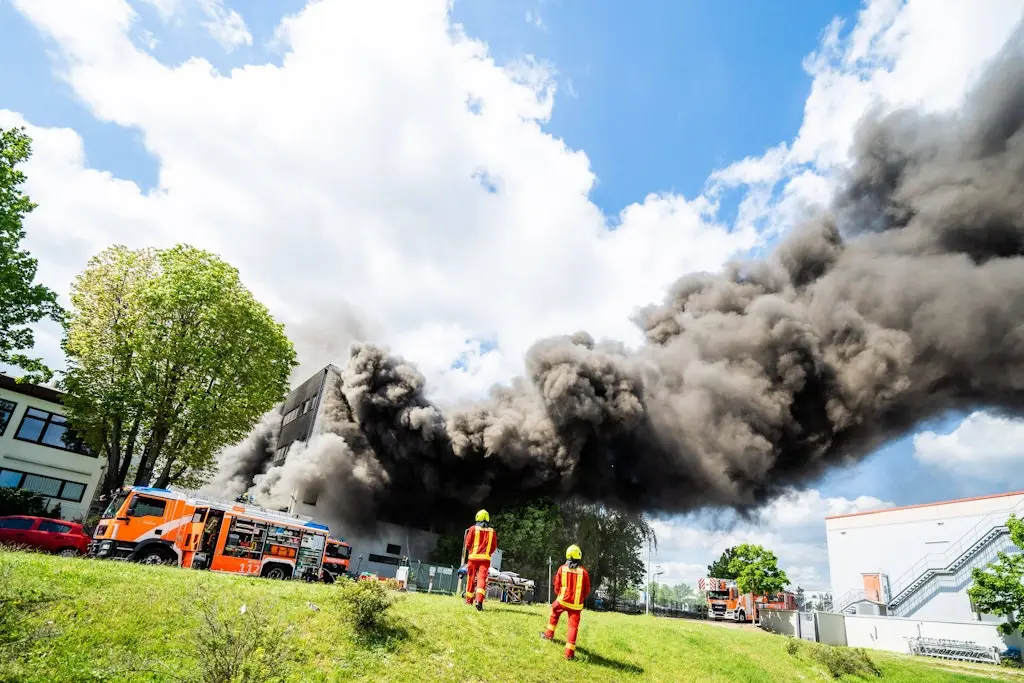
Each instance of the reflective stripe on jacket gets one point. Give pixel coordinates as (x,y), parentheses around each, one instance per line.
(481,542)
(572,586)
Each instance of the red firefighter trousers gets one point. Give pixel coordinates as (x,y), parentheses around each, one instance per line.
(574,626)
(476,575)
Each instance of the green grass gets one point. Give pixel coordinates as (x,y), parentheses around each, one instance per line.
(100,620)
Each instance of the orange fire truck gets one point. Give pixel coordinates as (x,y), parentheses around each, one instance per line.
(162,526)
(337,557)
(726,602)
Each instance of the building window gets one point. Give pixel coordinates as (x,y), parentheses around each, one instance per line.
(306,405)
(6,410)
(383,559)
(309,498)
(393,549)
(71,491)
(280,454)
(54,527)
(48,429)
(290,416)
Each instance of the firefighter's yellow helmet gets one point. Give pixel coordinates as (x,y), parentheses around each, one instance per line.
(483,516)
(573,552)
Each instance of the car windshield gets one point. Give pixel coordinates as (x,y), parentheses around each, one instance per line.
(718,595)
(338,551)
(115,504)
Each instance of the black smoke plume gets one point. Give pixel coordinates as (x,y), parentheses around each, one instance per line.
(903,301)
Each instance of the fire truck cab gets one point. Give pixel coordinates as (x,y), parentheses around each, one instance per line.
(725,601)
(337,557)
(162,526)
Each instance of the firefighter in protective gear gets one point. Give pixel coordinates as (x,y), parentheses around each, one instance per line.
(572,586)
(480,543)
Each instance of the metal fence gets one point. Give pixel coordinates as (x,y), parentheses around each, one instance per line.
(432,578)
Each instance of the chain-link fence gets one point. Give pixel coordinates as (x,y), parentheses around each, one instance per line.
(660,608)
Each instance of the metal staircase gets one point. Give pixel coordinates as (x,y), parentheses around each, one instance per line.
(958,557)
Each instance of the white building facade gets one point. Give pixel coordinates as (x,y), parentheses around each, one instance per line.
(916,561)
(38,453)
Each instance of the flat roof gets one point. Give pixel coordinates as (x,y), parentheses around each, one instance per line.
(926,505)
(35,390)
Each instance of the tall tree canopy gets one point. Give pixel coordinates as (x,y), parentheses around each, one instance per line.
(22,303)
(170,358)
(999,587)
(757,570)
(722,567)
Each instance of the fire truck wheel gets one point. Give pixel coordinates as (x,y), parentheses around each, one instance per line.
(276,571)
(741,616)
(154,556)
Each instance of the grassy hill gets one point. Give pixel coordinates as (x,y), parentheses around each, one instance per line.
(86,620)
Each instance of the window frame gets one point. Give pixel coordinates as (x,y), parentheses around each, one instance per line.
(290,417)
(13,409)
(79,448)
(60,489)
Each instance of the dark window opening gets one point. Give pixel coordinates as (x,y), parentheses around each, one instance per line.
(49,429)
(6,411)
(393,549)
(384,559)
(51,487)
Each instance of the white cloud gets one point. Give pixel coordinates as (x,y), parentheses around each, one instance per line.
(983,447)
(792,526)
(356,172)
(225,25)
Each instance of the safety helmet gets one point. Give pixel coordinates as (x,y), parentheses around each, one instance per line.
(573,552)
(483,516)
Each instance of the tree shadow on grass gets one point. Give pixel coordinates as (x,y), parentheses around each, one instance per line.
(515,610)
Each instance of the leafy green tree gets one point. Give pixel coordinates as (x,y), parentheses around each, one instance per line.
(528,535)
(722,567)
(757,570)
(999,587)
(170,358)
(22,303)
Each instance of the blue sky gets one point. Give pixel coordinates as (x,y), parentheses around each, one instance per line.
(657,94)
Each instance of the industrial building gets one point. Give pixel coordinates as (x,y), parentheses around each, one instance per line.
(916,561)
(382,552)
(39,453)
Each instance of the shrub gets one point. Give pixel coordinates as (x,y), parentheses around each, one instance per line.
(364,605)
(238,644)
(846,661)
(793,646)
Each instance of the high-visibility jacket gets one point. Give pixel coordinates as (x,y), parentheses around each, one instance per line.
(572,586)
(481,542)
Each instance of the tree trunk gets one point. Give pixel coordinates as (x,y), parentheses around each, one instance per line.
(110,480)
(149,456)
(133,437)
(165,474)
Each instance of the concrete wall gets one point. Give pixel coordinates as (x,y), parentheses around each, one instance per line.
(831,628)
(893,633)
(893,541)
(33,458)
(783,622)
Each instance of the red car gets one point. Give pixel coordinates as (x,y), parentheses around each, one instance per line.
(52,535)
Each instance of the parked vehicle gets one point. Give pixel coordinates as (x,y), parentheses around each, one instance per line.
(337,557)
(724,601)
(163,526)
(58,536)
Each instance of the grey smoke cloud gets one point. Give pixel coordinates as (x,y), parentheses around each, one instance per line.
(903,301)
